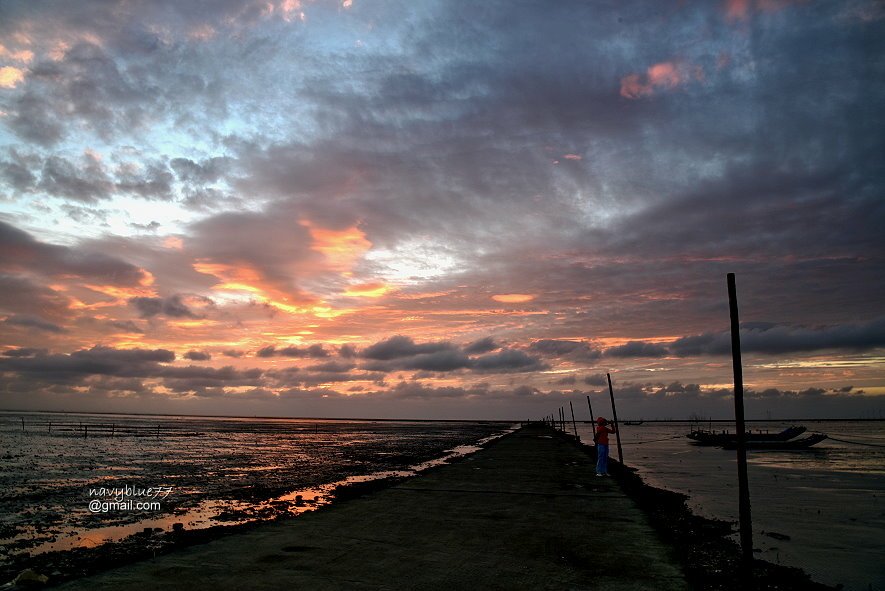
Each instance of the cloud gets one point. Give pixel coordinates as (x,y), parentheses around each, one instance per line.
(770,339)
(663,75)
(507,360)
(23,296)
(10,76)
(402,346)
(172,306)
(315,351)
(34,322)
(19,251)
(24,352)
(483,345)
(637,349)
(578,350)
(197,356)
(331,367)
(73,368)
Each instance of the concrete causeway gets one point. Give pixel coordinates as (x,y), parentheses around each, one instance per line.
(527,512)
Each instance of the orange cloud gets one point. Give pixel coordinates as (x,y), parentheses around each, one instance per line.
(367,290)
(341,248)
(513,298)
(10,77)
(740,10)
(667,75)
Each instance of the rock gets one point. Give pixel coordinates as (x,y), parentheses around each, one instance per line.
(30,578)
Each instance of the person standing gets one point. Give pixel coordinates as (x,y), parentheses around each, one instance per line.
(601,438)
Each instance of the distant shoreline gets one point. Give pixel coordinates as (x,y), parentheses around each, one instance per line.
(375,419)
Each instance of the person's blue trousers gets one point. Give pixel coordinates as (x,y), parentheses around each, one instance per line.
(601,458)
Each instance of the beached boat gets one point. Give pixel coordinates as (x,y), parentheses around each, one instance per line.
(702,437)
(632,423)
(792,444)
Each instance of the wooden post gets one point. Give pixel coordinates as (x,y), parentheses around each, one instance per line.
(611,394)
(592,419)
(562,418)
(113,428)
(50,426)
(746,524)
(23,423)
(574,425)
(85,431)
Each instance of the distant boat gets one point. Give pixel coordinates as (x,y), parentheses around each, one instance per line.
(702,437)
(802,443)
(633,422)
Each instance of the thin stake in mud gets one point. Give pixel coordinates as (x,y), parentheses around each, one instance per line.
(592,420)
(746,525)
(611,394)
(574,425)
(23,423)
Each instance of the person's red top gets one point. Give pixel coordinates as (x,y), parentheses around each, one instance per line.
(602,434)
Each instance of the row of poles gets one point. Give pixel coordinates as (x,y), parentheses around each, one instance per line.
(558,419)
(745,520)
(99,429)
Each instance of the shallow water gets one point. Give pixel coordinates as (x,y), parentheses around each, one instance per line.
(60,482)
(829,500)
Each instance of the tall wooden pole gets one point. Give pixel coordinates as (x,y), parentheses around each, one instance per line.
(592,418)
(574,424)
(611,394)
(746,524)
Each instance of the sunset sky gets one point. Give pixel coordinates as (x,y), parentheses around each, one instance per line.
(441,209)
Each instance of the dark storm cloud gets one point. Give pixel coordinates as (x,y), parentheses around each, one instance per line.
(315,351)
(597,379)
(197,356)
(507,360)
(172,306)
(483,345)
(233,353)
(402,346)
(331,367)
(401,353)
(60,368)
(578,350)
(772,339)
(20,251)
(439,360)
(34,322)
(347,351)
(637,349)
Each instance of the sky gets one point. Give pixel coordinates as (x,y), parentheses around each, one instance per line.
(437,209)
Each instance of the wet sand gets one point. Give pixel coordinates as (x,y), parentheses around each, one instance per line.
(526,512)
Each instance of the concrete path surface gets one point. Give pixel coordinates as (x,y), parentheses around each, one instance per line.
(527,512)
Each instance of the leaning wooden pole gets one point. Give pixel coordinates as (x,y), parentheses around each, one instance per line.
(592,419)
(574,424)
(746,525)
(611,394)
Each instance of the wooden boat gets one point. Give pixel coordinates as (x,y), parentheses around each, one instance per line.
(792,444)
(632,422)
(702,437)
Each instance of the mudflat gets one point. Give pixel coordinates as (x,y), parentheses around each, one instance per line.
(526,512)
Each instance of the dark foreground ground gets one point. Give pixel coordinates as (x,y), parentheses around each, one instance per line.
(525,513)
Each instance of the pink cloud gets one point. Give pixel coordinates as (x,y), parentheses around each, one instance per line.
(740,10)
(666,75)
